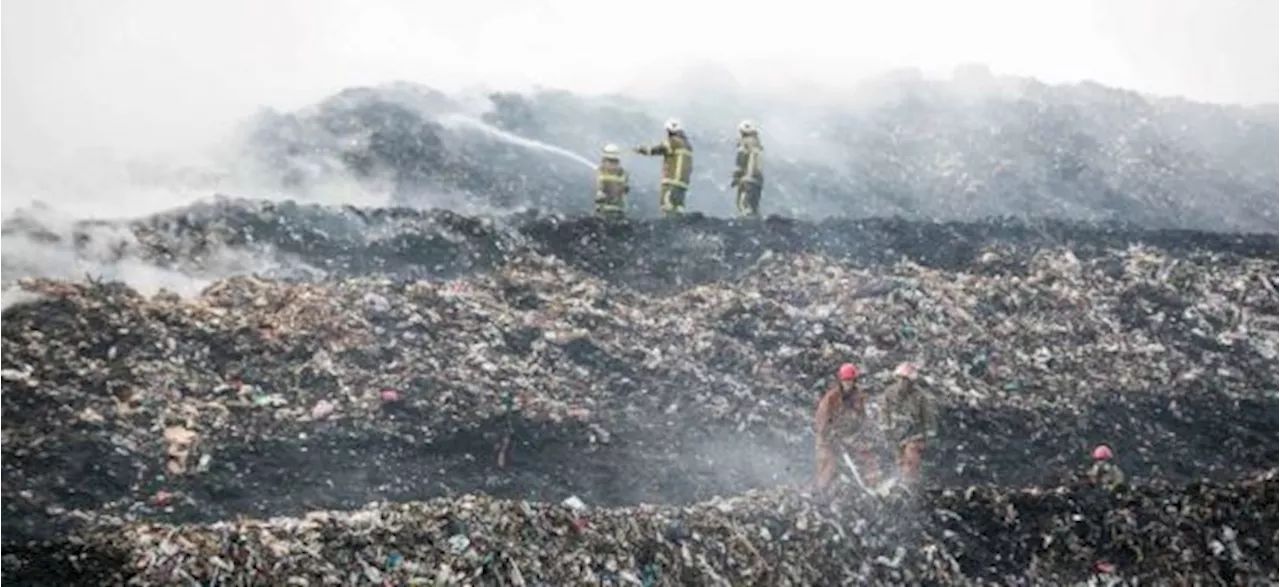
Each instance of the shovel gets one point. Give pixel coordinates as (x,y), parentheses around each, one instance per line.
(857,478)
(881,490)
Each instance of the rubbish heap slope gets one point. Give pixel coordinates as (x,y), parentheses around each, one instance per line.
(1153,534)
(926,148)
(554,366)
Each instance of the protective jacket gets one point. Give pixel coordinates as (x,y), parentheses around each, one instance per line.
(677,159)
(750,161)
(612,187)
(839,426)
(908,413)
(1106,474)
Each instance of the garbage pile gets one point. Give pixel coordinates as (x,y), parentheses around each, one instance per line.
(1149,534)
(395,137)
(555,369)
(959,149)
(299,241)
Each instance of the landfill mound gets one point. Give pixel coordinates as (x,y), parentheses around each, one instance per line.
(1156,534)
(648,362)
(946,149)
(294,241)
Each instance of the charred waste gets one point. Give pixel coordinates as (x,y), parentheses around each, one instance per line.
(541,400)
(501,391)
(964,149)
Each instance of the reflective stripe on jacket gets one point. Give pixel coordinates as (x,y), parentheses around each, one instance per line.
(677,159)
(612,184)
(750,160)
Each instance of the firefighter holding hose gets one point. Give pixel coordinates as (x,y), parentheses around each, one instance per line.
(612,186)
(677,167)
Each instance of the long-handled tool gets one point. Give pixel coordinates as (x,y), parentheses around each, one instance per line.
(857,478)
(880,491)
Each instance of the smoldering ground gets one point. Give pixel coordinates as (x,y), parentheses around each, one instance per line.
(659,453)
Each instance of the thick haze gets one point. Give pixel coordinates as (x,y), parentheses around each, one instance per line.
(89,85)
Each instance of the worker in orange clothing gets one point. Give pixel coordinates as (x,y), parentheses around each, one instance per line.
(840,427)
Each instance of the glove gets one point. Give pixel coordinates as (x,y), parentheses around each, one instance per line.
(641,150)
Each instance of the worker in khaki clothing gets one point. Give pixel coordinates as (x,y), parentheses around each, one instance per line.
(748,173)
(909,421)
(677,167)
(1104,472)
(612,186)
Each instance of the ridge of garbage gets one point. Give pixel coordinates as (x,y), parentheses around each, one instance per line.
(979,535)
(300,241)
(614,376)
(954,149)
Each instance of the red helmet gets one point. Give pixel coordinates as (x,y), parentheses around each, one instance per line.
(848,372)
(1102,453)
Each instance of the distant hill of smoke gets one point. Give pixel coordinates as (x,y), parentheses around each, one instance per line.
(963,148)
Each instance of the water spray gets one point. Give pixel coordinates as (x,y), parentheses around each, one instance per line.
(462,120)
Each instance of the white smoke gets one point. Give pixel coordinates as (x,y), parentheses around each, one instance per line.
(109,252)
(127,108)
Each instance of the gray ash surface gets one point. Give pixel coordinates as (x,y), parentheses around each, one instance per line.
(965,148)
(646,362)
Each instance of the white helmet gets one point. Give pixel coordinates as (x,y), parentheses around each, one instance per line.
(746,127)
(673,126)
(611,151)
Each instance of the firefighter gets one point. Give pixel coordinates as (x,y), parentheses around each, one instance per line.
(677,167)
(909,420)
(839,428)
(748,177)
(1104,472)
(612,185)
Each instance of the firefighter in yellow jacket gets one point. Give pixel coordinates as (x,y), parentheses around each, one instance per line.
(612,185)
(677,167)
(748,176)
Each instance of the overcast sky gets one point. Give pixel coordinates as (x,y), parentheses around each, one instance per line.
(95,73)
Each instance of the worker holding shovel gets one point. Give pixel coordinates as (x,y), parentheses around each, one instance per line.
(839,427)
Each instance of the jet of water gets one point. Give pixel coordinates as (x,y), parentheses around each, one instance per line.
(462,120)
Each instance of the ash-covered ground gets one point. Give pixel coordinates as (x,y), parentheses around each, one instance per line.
(470,374)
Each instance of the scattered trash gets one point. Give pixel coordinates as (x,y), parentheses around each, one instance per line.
(459,543)
(898,541)
(271,400)
(161,498)
(203,464)
(322,409)
(921,147)
(695,377)
(180,442)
